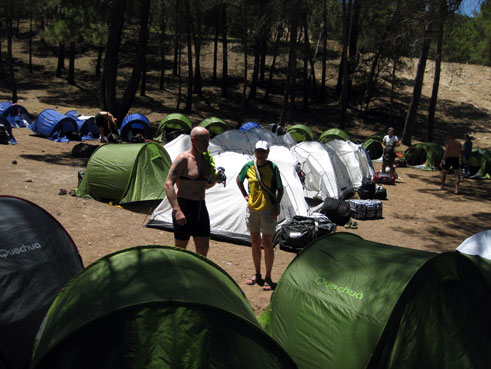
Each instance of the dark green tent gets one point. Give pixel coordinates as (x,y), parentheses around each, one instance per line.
(301,133)
(154,307)
(171,126)
(214,125)
(345,302)
(480,163)
(373,146)
(333,134)
(425,155)
(126,173)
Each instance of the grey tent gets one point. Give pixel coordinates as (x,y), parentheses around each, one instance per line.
(37,258)
(154,307)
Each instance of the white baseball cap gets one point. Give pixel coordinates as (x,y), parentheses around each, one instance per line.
(262,145)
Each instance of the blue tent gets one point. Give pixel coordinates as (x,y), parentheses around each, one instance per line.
(55,126)
(135,124)
(6,123)
(87,128)
(16,114)
(248,126)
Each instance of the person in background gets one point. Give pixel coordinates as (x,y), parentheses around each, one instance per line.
(451,157)
(263,208)
(389,142)
(106,123)
(467,154)
(189,174)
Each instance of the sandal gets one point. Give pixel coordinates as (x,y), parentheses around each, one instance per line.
(255,278)
(269,285)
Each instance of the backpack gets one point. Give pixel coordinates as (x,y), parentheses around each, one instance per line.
(367,189)
(300,231)
(4,135)
(384,178)
(338,211)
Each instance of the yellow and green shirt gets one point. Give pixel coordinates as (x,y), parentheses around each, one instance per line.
(270,175)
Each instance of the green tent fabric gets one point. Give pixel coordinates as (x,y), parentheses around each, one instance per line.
(301,133)
(214,125)
(126,173)
(171,126)
(373,146)
(345,302)
(480,163)
(333,134)
(154,307)
(425,155)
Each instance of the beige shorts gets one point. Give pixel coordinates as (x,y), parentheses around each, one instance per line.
(260,221)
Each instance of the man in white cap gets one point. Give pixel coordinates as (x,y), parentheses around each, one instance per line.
(263,200)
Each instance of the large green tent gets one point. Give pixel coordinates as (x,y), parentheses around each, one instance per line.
(214,125)
(154,307)
(425,155)
(301,132)
(345,302)
(126,173)
(333,134)
(171,126)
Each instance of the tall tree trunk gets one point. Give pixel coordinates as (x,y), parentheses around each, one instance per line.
(287,94)
(71,63)
(353,43)
(107,89)
(306,52)
(262,62)
(197,50)
(30,42)
(61,59)
(418,84)
(279,33)
(436,78)
(324,53)
(346,11)
(10,62)
(162,49)
(143,87)
(243,100)
(255,71)
(100,50)
(177,36)
(344,80)
(215,52)
(224,51)
(189,20)
(132,86)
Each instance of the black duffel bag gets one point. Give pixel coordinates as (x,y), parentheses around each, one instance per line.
(300,231)
(338,211)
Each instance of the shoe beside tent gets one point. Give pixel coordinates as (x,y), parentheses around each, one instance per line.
(325,174)
(333,134)
(37,258)
(87,127)
(425,155)
(345,302)
(158,307)
(214,125)
(135,124)
(300,133)
(55,126)
(126,173)
(172,126)
(16,114)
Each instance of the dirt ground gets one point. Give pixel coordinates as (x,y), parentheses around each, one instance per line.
(416,215)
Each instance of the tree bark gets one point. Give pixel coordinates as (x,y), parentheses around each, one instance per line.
(215,52)
(10,62)
(279,33)
(197,50)
(61,59)
(255,71)
(71,63)
(189,95)
(344,71)
(30,42)
(324,53)
(224,51)
(177,37)
(286,109)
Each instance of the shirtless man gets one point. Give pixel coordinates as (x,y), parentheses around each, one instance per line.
(189,213)
(106,123)
(451,159)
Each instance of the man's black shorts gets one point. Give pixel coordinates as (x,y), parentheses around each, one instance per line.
(452,162)
(197,220)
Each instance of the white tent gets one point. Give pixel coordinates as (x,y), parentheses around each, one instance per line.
(355,160)
(226,205)
(478,244)
(325,174)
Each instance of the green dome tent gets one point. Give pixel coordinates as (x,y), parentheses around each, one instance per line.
(480,163)
(214,125)
(373,146)
(172,126)
(126,173)
(301,133)
(425,155)
(333,134)
(345,302)
(154,307)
